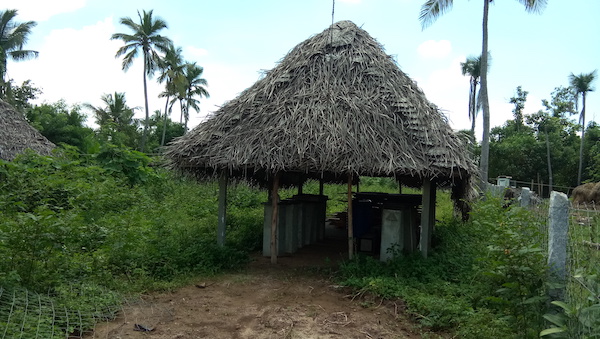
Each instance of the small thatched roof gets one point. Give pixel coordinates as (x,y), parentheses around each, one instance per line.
(16,135)
(335,105)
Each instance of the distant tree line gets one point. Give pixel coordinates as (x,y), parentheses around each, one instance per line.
(546,146)
(115,119)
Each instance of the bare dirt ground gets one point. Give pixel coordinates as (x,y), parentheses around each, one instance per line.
(295,298)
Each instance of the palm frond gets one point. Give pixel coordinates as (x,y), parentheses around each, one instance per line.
(432,9)
(534,6)
(23,55)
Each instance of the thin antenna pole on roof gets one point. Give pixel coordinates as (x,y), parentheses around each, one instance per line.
(332,11)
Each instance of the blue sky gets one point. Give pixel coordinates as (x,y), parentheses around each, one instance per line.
(235,40)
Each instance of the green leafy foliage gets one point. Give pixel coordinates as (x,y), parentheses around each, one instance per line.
(61,124)
(483,279)
(109,222)
(578,318)
(513,268)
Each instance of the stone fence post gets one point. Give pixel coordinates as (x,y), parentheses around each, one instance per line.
(525,197)
(558,228)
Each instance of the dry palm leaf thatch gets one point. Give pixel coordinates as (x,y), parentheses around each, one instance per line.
(335,105)
(16,135)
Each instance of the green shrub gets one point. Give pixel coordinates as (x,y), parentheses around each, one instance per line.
(483,278)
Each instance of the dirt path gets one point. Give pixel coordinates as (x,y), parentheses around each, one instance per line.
(292,299)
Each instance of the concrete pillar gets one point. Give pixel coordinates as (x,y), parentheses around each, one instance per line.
(392,233)
(525,197)
(558,229)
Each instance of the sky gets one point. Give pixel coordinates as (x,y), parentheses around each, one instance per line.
(237,40)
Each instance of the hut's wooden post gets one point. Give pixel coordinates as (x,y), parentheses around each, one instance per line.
(350,224)
(274,216)
(427,215)
(222,225)
(321,187)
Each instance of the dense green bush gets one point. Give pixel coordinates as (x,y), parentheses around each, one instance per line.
(70,222)
(483,279)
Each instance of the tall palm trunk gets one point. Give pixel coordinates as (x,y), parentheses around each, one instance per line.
(182,112)
(187,115)
(162,140)
(580,171)
(473,107)
(485,143)
(550,180)
(146,123)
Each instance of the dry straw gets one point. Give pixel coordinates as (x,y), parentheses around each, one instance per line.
(335,105)
(16,135)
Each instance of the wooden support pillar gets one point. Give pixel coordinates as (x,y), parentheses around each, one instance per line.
(274,216)
(350,224)
(427,215)
(222,224)
(321,187)
(300,184)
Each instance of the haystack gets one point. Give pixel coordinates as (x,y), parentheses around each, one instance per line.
(334,108)
(17,135)
(586,194)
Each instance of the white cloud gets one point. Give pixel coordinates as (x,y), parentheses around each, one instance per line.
(195,52)
(41,10)
(449,90)
(435,49)
(225,82)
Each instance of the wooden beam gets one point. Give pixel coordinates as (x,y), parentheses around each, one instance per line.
(274,216)
(427,216)
(350,224)
(222,224)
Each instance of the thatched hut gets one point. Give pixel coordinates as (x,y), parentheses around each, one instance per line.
(335,107)
(17,135)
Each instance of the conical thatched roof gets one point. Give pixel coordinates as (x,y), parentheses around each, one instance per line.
(336,104)
(16,135)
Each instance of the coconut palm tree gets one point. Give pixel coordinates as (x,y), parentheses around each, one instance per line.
(115,119)
(472,68)
(582,84)
(195,87)
(171,67)
(13,36)
(430,11)
(145,38)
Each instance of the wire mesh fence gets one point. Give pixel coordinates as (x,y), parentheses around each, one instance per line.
(29,315)
(583,288)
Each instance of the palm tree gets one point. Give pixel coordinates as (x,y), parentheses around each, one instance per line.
(116,117)
(146,38)
(172,74)
(582,84)
(13,36)
(195,87)
(472,68)
(430,11)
